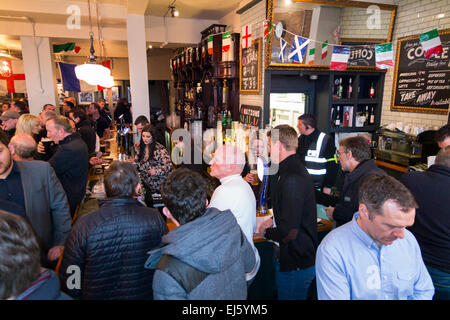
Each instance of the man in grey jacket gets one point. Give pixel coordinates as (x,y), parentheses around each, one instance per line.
(207,256)
(33,185)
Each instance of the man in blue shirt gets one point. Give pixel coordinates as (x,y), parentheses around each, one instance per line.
(373,257)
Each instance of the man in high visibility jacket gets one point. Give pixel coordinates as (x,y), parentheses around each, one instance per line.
(317,151)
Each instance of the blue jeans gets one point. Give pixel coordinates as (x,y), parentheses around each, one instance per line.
(293,285)
(441,282)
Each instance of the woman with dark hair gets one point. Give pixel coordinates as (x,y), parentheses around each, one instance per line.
(153,163)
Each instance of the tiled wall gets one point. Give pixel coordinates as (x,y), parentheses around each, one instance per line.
(414,17)
(354,24)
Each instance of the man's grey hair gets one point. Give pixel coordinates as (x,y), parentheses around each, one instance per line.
(443,157)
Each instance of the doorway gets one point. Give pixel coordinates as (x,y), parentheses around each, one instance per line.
(285,108)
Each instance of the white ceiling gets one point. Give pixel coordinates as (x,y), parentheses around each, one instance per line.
(189,9)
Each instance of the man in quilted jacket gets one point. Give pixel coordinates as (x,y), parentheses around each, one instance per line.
(106,250)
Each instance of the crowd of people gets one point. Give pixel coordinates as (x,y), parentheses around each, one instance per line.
(390,239)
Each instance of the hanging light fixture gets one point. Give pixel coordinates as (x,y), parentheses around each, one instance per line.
(5,69)
(173,10)
(92,72)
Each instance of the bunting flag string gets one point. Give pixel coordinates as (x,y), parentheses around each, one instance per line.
(430,42)
(298,49)
(283,45)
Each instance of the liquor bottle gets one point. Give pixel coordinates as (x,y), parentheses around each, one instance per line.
(372,115)
(336,88)
(367,116)
(229,119)
(349,89)
(339,94)
(372,91)
(332,117)
(338,118)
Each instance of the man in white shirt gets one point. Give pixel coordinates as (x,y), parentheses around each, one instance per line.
(235,194)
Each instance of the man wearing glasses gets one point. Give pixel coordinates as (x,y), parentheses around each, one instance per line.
(355,159)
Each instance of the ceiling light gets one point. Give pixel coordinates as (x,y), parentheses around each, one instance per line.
(5,69)
(91,72)
(150,46)
(173,11)
(441,15)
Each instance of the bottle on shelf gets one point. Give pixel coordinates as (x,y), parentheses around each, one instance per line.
(229,120)
(349,89)
(337,122)
(332,117)
(367,115)
(372,115)
(372,91)
(336,88)
(339,93)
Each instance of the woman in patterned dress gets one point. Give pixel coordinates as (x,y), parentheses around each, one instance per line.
(153,163)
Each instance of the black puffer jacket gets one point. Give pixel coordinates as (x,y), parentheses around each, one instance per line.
(110,247)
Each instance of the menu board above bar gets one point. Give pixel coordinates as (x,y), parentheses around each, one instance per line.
(250,71)
(422,84)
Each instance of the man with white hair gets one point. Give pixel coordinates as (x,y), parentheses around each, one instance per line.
(235,194)
(22,147)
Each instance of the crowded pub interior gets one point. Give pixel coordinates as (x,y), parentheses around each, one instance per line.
(224,150)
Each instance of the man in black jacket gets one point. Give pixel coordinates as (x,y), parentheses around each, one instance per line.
(295,218)
(354,156)
(110,245)
(431,228)
(70,160)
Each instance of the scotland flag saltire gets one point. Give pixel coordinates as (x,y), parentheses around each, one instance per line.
(339,58)
(283,47)
(298,49)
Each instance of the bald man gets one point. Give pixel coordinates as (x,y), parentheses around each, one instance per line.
(22,147)
(227,165)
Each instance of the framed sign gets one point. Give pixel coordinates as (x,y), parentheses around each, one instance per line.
(250,115)
(250,68)
(86,97)
(421,84)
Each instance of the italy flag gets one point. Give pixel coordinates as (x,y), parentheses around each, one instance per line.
(431,43)
(384,56)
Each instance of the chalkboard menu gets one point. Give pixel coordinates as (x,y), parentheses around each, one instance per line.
(250,70)
(422,84)
(250,115)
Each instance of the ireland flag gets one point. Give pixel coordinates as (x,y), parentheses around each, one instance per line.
(210,45)
(384,56)
(310,59)
(431,43)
